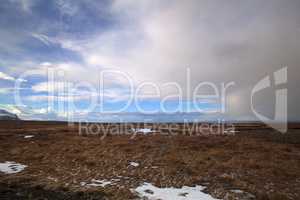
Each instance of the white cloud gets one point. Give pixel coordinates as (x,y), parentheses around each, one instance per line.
(67,7)
(21,80)
(46,64)
(55,98)
(156,41)
(6,77)
(43,38)
(25,5)
(11,108)
(52,87)
(5,90)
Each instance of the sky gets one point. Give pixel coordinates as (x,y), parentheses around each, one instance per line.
(123,59)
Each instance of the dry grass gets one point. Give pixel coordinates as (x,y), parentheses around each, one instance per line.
(258,161)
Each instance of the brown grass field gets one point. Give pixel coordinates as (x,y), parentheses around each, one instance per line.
(261,162)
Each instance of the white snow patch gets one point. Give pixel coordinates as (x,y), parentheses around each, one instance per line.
(142,130)
(28,136)
(231,131)
(149,191)
(82,183)
(134,164)
(100,183)
(243,193)
(52,179)
(11,167)
(237,191)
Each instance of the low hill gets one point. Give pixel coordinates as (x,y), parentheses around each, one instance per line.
(5,115)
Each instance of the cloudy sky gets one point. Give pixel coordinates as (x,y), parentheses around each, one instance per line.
(176,45)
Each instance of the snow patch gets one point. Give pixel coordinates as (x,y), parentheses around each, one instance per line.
(149,191)
(237,191)
(142,130)
(52,179)
(231,131)
(83,183)
(134,164)
(28,136)
(11,167)
(100,183)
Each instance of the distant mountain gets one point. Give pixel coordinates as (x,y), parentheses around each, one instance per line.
(5,115)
